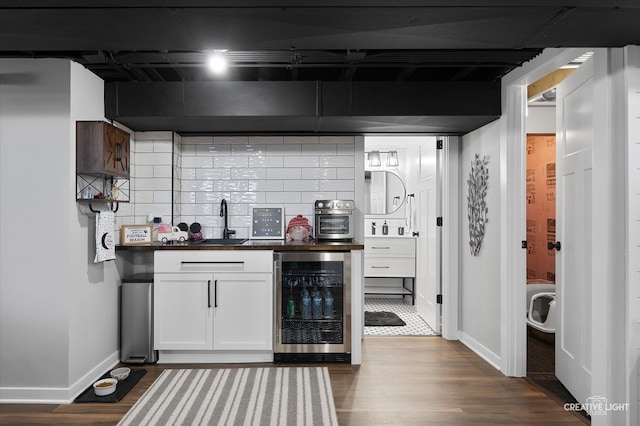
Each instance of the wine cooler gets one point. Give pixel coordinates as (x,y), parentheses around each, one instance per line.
(313,308)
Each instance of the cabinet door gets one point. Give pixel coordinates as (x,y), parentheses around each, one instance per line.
(183,311)
(243,306)
(122,152)
(110,149)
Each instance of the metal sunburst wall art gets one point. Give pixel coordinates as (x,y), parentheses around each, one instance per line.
(476,202)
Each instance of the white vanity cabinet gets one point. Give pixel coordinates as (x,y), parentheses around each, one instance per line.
(212,300)
(390,257)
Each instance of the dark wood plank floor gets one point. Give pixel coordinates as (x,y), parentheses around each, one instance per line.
(402,381)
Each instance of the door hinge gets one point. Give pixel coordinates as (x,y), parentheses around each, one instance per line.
(439,221)
(439,144)
(524,244)
(439,299)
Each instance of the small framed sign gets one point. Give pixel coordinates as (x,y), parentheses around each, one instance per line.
(133,235)
(267,223)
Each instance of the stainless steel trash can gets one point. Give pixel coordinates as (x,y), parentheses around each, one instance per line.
(136,320)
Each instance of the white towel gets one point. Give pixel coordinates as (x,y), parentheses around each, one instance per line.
(105,240)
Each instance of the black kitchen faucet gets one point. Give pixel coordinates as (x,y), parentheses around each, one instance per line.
(226,233)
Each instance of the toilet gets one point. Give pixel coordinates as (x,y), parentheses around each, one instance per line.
(541,311)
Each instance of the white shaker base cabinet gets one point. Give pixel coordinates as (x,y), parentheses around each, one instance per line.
(182,313)
(241,317)
(213,306)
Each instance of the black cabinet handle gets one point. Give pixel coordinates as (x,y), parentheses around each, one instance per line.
(209,293)
(215,294)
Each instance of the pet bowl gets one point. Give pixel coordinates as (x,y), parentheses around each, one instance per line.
(120,373)
(105,387)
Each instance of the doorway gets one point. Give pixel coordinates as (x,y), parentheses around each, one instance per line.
(558,343)
(396,218)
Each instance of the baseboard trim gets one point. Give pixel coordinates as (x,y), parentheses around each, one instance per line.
(50,395)
(481,350)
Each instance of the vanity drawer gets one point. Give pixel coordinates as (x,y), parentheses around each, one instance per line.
(389,267)
(168,261)
(394,247)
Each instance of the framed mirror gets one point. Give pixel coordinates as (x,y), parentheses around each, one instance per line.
(384,192)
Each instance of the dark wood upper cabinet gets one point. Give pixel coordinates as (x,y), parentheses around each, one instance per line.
(101,149)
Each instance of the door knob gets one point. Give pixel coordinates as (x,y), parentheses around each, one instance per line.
(556,245)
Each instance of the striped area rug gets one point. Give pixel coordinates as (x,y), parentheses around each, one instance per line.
(237,396)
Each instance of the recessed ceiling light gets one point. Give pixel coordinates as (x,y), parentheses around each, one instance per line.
(218,62)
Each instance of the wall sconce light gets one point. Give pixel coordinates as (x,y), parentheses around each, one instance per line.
(374,159)
(392,159)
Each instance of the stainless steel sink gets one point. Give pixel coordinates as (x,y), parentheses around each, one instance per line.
(221,241)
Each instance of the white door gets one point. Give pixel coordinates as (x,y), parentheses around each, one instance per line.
(574,113)
(427,283)
(242,311)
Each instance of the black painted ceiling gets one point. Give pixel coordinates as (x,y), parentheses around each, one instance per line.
(350,42)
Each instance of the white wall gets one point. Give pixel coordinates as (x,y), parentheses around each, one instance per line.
(50,346)
(480,311)
(541,119)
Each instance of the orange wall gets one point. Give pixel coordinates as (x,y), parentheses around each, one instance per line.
(541,206)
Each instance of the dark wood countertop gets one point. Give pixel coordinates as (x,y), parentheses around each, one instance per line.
(276,245)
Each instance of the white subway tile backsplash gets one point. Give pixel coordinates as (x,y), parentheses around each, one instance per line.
(349,195)
(336,161)
(267,140)
(230,185)
(345,173)
(194,140)
(153,184)
(153,159)
(288,171)
(197,162)
(284,150)
(231,140)
(248,173)
(266,185)
(188,173)
(266,162)
(301,161)
(153,136)
(240,150)
(162,171)
(213,149)
(343,140)
(345,149)
(198,209)
(239,161)
(143,145)
(293,209)
(336,185)
(143,171)
(311,197)
(143,197)
(248,197)
(197,185)
(320,173)
(301,140)
(283,197)
(301,185)
(284,173)
(210,174)
(163,146)
(319,149)
(212,197)
(187,197)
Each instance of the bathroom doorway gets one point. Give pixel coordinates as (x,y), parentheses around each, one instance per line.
(395,283)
